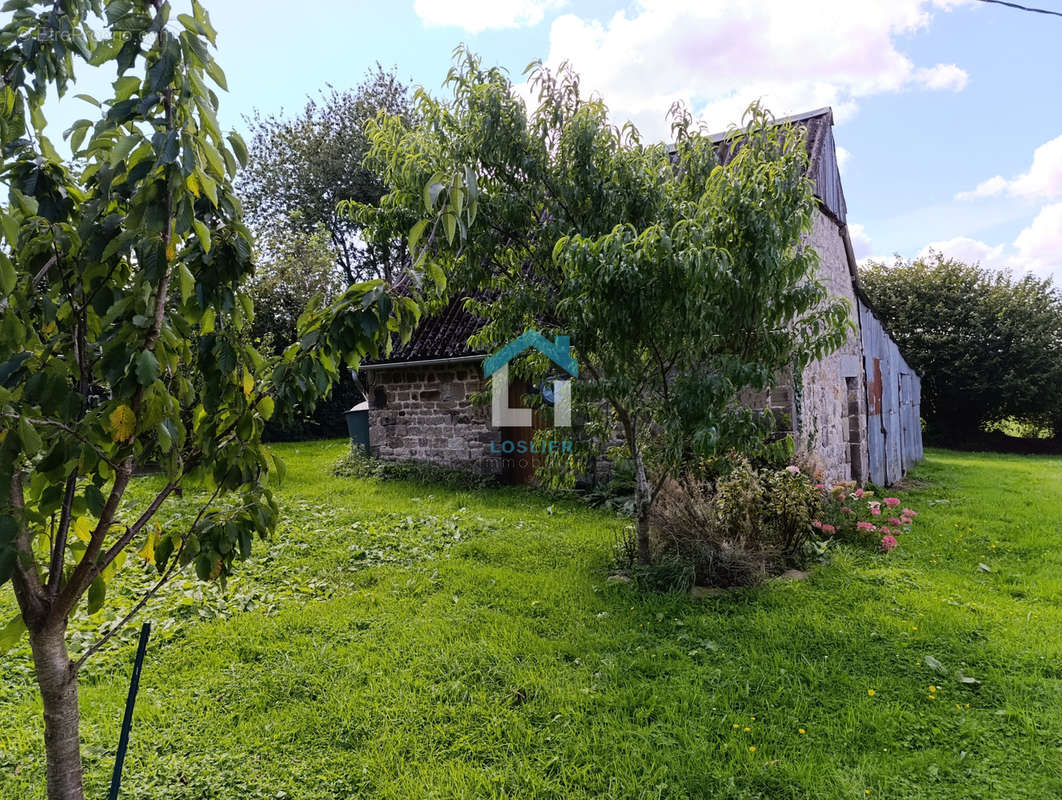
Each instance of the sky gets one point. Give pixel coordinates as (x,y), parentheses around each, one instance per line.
(946,111)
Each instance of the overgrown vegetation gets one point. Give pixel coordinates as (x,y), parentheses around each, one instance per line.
(734,530)
(356,464)
(679,279)
(393,636)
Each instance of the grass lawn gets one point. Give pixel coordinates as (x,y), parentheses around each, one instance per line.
(400,641)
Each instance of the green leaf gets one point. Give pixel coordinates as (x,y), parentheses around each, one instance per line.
(94,500)
(266,407)
(78,133)
(431,191)
(11,633)
(8,276)
(215,72)
(203,19)
(163,551)
(202,232)
(96,594)
(10,227)
(161,73)
(450,224)
(165,438)
(147,368)
(238,147)
(187,281)
(31,440)
(27,205)
(88,99)
(415,233)
(122,148)
(437,275)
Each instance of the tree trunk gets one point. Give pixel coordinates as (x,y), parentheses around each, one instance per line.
(57,678)
(641,506)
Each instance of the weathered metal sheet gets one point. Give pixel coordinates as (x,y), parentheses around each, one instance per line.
(827,175)
(894,431)
(891,412)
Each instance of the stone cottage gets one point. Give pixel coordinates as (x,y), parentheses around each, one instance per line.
(856,411)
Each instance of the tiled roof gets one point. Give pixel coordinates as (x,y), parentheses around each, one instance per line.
(441,335)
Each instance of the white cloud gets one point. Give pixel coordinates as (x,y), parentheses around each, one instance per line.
(967,250)
(1037,249)
(1043,178)
(989,188)
(1039,246)
(860,241)
(943,77)
(479,15)
(843,157)
(720,56)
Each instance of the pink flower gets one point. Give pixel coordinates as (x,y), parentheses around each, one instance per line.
(796,470)
(894,521)
(885,529)
(905,520)
(821,487)
(859,493)
(875,511)
(909,513)
(846,510)
(892,502)
(816,523)
(866,526)
(829,529)
(888,542)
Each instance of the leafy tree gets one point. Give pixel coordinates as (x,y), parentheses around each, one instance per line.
(680,281)
(301,167)
(122,329)
(291,271)
(987,344)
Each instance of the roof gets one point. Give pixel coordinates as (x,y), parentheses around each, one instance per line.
(439,336)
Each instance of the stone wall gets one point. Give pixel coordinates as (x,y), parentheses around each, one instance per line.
(426,413)
(832,398)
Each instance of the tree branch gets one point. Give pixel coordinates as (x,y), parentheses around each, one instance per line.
(31,597)
(55,566)
(171,570)
(135,528)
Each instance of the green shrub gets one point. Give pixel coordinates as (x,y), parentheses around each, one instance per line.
(356,464)
(746,524)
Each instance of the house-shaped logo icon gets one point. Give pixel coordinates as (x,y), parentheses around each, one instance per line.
(497,365)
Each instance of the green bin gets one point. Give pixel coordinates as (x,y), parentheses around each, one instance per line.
(358,426)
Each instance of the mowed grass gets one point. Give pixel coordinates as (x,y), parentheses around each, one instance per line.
(402,641)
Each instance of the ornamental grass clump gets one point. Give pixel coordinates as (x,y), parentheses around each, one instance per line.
(735,529)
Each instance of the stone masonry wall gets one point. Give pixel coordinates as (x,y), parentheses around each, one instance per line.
(426,414)
(832,401)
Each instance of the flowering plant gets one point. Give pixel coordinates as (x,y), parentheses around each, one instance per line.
(854,514)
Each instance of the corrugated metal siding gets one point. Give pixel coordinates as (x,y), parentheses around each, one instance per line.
(894,429)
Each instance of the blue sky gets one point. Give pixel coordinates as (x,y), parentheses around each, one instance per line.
(946,109)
